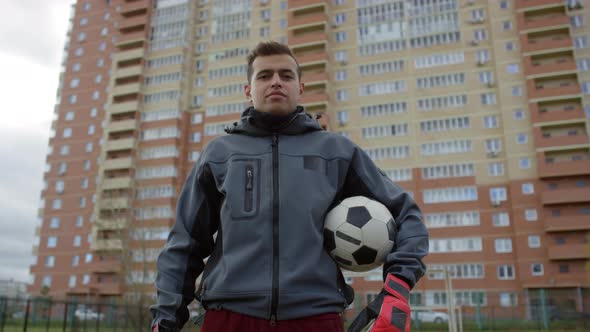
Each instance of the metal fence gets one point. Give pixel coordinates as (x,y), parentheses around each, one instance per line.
(47,315)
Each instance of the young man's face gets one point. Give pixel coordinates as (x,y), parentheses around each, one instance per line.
(274,87)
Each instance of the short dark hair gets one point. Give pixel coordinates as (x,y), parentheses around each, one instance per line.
(266,49)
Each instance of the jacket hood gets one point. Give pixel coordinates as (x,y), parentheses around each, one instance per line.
(302,122)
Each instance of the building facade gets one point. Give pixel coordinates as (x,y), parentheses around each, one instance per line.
(478,108)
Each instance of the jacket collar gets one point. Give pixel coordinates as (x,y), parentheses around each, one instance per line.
(302,122)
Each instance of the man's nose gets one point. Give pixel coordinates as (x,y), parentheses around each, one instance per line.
(276,80)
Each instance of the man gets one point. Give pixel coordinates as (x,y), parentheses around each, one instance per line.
(265,189)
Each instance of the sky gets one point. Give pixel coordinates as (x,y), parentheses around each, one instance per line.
(31,46)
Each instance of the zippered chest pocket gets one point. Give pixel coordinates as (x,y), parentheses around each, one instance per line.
(243,180)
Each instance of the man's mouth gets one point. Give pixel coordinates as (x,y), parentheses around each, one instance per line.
(276,94)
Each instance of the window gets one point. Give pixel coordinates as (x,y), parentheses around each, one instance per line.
(507,25)
(486,77)
(91,129)
(339,18)
(488,98)
(56,205)
(88,147)
(93,112)
(85,279)
(342,95)
(79,221)
(577,21)
(197,118)
(95,95)
(98,78)
(76,67)
(46,281)
(84,21)
(77,241)
(501,219)
(100,62)
(49,261)
(341,56)
(504,4)
(86,165)
(72,282)
(503,245)
(516,91)
(340,36)
(512,68)
(82,202)
(496,169)
(74,83)
(264,31)
(343,117)
(54,222)
(51,242)
(505,272)
(509,46)
(62,168)
(340,75)
(59,186)
(79,51)
(521,138)
(88,258)
(528,188)
(72,99)
(86,7)
(564,268)
(81,36)
(196,137)
(69,116)
(534,241)
(581,42)
(490,121)
(498,194)
(518,114)
(537,269)
(524,163)
(75,260)
(508,299)
(530,214)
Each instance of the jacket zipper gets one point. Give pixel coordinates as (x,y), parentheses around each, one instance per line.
(249,196)
(275,229)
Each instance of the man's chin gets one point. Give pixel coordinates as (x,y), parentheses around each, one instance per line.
(278,110)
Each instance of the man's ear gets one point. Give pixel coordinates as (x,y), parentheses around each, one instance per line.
(248,92)
(301,88)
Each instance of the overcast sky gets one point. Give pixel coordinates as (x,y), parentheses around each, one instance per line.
(31,42)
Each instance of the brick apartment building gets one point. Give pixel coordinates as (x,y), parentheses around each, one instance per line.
(479,108)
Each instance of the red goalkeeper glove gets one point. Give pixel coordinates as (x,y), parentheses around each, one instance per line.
(390,309)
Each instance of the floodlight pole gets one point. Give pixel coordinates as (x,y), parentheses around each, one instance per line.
(450,303)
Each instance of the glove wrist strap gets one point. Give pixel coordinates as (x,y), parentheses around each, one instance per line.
(397,287)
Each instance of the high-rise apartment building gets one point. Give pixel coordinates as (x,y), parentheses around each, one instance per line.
(479,108)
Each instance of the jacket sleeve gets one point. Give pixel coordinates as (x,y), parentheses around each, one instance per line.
(190,241)
(364,178)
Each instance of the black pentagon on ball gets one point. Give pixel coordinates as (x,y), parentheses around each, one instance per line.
(365,255)
(329,240)
(358,216)
(342,261)
(392,230)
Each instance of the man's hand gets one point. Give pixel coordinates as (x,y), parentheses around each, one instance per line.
(390,309)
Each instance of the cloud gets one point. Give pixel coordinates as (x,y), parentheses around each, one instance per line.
(30,28)
(21,174)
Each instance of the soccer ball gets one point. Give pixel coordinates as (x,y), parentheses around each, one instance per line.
(358,233)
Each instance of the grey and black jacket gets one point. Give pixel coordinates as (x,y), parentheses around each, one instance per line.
(266,195)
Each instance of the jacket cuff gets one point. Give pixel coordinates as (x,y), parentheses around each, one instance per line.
(397,287)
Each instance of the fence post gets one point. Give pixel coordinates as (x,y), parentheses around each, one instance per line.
(478,316)
(48,311)
(98,313)
(4,309)
(544,315)
(65,322)
(27,315)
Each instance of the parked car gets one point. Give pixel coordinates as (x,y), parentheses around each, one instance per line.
(429,316)
(88,314)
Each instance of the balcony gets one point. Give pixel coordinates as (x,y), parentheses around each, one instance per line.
(314,77)
(565,196)
(545,43)
(129,55)
(131,24)
(540,22)
(543,141)
(110,224)
(116,183)
(313,98)
(126,89)
(540,90)
(135,8)
(321,56)
(129,39)
(114,203)
(125,125)
(548,66)
(562,168)
(126,107)
(106,244)
(567,223)
(127,72)
(314,18)
(568,251)
(313,37)
(531,4)
(304,3)
(561,112)
(117,163)
(106,266)
(120,144)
